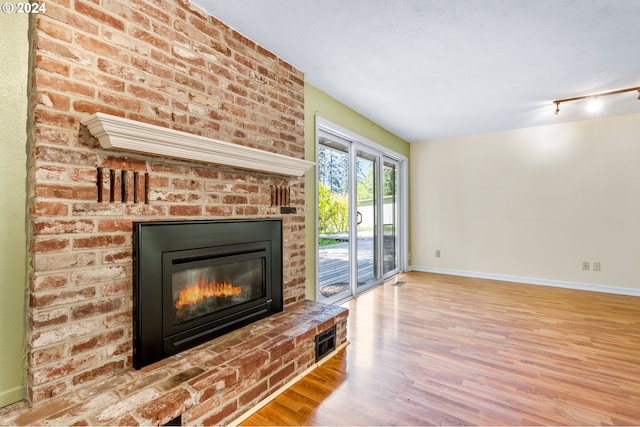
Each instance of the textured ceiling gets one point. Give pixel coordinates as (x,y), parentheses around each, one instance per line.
(430,69)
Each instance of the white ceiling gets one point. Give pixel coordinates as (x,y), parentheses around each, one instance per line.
(430,69)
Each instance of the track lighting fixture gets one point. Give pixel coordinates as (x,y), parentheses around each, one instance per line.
(595,98)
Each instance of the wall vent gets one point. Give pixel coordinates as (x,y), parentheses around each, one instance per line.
(325,342)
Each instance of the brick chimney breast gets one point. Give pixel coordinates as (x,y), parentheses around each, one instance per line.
(173,67)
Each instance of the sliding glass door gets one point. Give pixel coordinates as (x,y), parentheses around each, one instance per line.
(334,254)
(367,218)
(358,211)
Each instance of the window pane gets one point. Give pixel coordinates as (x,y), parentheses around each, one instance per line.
(333,221)
(390,213)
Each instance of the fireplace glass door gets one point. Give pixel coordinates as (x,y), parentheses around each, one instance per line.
(206,284)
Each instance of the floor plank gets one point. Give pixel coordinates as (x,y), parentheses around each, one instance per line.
(463,351)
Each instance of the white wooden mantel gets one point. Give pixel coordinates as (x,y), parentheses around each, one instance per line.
(130,135)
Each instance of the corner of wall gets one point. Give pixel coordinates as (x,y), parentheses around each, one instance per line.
(13,119)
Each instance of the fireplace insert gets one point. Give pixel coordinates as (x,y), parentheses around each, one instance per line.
(196,280)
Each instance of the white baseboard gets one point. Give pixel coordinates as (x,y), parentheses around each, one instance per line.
(531,280)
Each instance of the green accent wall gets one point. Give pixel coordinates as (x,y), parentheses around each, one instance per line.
(14,49)
(319,104)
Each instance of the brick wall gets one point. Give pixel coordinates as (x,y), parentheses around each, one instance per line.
(161,62)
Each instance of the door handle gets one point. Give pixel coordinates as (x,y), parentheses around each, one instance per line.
(358,218)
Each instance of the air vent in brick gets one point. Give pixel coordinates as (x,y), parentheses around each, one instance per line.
(122,186)
(325,342)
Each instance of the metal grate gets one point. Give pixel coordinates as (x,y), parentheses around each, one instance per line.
(325,342)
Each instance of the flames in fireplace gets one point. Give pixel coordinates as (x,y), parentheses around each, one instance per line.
(204,289)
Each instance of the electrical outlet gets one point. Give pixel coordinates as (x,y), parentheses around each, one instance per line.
(437,253)
(585,265)
(596,266)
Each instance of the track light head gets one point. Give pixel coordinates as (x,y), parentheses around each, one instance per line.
(594,105)
(594,97)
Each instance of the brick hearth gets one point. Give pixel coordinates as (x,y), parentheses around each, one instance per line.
(166,63)
(211,384)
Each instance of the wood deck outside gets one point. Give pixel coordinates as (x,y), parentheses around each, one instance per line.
(333,262)
(462,351)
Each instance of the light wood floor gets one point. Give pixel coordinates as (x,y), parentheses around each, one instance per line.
(452,350)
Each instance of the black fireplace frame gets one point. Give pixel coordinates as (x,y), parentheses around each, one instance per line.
(152,240)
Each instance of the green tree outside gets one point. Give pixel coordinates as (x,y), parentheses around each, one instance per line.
(333,211)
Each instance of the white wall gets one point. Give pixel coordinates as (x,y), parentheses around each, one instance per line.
(532,203)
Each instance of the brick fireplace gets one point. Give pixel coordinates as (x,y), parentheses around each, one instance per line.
(166,64)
